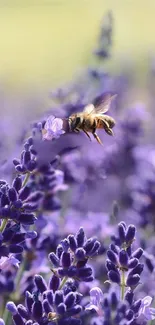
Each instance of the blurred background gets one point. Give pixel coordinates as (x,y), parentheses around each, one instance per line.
(45,43)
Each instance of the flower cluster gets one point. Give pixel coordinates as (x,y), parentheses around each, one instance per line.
(16,203)
(27,163)
(48,304)
(111,309)
(72,256)
(123,264)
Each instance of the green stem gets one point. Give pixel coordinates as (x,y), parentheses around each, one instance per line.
(122,285)
(6,316)
(63,282)
(26,179)
(15,296)
(3,225)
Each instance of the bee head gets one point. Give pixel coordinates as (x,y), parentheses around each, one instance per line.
(74,122)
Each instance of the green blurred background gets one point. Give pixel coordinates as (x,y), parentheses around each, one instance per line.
(44,43)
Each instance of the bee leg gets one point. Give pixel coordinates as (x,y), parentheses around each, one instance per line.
(76,130)
(94,133)
(87,134)
(97,138)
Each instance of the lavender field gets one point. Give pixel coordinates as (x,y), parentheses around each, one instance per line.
(77,218)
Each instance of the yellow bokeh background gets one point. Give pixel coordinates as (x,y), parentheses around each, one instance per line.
(46,42)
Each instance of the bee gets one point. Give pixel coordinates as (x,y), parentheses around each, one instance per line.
(93,118)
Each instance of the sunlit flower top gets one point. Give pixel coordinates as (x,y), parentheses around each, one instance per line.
(96,297)
(145,308)
(53,128)
(7,262)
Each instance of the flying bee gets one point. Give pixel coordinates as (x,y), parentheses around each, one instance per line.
(93,118)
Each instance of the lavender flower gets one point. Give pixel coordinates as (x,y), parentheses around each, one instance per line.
(72,255)
(47,304)
(53,128)
(123,264)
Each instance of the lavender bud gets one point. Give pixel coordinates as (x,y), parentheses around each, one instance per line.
(4,200)
(23,311)
(132,263)
(54,259)
(31,165)
(114,248)
(18,319)
(138,253)
(72,242)
(46,306)
(36,196)
(129,315)
(18,204)
(5,212)
(129,251)
(62,272)
(123,258)
(16,162)
(114,300)
(112,257)
(58,297)
(137,270)
(129,297)
(80,237)
(17,183)
(12,307)
(65,259)
(20,169)
(24,193)
(95,248)
(61,309)
(114,276)
(70,299)
(50,296)
(12,194)
(26,157)
(37,310)
(59,251)
(110,266)
(80,254)
(28,301)
(40,283)
(135,307)
(30,206)
(27,218)
(65,244)
(121,232)
(54,283)
(130,234)
(133,280)
(89,245)
(74,310)
(29,322)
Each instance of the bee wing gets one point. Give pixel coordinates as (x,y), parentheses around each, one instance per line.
(89,109)
(102,103)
